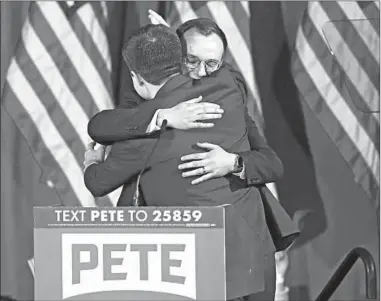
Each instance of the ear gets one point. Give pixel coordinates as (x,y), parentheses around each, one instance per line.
(138,78)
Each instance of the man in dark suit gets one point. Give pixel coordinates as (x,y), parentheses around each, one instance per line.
(267,166)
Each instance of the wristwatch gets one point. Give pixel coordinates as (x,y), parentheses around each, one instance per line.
(238,164)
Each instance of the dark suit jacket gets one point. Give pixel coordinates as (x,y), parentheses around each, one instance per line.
(247,234)
(132,117)
(126,158)
(262,165)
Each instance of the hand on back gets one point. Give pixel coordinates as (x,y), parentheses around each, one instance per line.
(189,114)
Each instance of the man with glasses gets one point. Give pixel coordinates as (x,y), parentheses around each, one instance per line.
(204,45)
(200,68)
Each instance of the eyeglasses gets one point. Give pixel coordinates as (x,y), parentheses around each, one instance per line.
(194,62)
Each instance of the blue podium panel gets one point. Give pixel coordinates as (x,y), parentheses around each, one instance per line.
(145,253)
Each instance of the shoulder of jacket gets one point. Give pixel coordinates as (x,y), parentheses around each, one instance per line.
(237,77)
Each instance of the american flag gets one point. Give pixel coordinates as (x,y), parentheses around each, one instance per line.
(233,17)
(59,77)
(336,69)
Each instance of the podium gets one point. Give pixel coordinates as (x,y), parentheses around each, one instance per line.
(144,253)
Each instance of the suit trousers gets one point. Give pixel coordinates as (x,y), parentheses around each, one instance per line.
(270,282)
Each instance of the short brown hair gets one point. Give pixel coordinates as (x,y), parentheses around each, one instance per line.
(153,52)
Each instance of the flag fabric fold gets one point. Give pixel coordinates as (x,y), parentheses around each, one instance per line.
(64,65)
(336,69)
(59,77)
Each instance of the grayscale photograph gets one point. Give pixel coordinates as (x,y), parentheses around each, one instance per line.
(190,150)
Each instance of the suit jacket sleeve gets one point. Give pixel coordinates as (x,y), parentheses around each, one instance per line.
(122,164)
(130,120)
(262,165)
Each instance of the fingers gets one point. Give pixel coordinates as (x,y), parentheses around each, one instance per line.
(153,14)
(207,108)
(156,18)
(197,156)
(208,116)
(201,107)
(194,100)
(200,125)
(153,20)
(193,164)
(90,145)
(202,179)
(192,173)
(207,145)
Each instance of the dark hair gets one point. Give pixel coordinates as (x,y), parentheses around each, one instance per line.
(203,26)
(153,52)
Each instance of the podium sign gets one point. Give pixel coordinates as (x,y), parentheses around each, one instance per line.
(145,253)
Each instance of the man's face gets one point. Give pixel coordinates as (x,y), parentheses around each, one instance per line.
(204,53)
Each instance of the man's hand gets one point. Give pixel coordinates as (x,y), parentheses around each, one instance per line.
(93,155)
(212,164)
(185,115)
(156,18)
